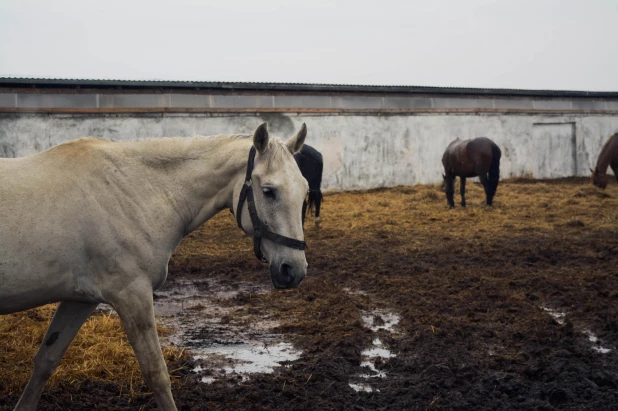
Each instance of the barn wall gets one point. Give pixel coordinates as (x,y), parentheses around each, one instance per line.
(360,151)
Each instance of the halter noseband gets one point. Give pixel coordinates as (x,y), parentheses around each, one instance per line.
(260,230)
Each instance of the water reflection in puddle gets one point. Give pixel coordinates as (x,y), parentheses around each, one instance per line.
(597,343)
(362,387)
(353,291)
(555,314)
(560,317)
(248,358)
(380,320)
(377,351)
(377,321)
(223,339)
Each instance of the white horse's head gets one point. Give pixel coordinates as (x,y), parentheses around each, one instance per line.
(278,191)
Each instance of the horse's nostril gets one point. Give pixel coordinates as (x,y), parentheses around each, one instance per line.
(286,273)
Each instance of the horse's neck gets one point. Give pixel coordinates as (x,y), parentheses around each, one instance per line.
(608,152)
(196,176)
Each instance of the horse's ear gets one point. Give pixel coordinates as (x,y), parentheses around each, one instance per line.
(296,142)
(260,137)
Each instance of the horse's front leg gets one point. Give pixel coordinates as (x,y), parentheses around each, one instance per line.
(462,190)
(67,321)
(134,305)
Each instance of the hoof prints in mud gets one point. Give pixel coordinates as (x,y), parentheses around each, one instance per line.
(597,343)
(560,318)
(375,320)
(221,338)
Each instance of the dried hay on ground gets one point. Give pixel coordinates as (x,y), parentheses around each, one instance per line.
(473,288)
(99,352)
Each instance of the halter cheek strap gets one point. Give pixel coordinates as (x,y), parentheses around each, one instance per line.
(260,230)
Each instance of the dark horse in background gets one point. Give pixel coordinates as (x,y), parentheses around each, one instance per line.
(471,158)
(607,157)
(309,161)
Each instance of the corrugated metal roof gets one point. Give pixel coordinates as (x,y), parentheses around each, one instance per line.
(289,87)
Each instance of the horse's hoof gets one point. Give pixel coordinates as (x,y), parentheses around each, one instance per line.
(317,222)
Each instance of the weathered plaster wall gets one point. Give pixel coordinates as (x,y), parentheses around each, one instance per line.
(360,151)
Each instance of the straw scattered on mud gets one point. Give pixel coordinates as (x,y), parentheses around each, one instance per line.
(99,353)
(508,307)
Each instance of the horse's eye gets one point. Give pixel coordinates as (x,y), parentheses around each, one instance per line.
(268,192)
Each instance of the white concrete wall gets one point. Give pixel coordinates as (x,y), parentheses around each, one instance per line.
(360,151)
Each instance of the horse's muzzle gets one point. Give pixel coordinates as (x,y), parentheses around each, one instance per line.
(286,276)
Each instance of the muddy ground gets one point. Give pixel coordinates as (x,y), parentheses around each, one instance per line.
(409,305)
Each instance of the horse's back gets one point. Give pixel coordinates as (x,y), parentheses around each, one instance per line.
(74,190)
(29,183)
(610,148)
(58,215)
(470,157)
(455,153)
(311,153)
(65,158)
(483,146)
(310,162)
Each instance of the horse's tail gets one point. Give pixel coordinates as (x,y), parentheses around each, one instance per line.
(315,199)
(494,168)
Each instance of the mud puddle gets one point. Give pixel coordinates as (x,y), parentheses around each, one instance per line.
(596,343)
(560,318)
(377,321)
(222,338)
(557,315)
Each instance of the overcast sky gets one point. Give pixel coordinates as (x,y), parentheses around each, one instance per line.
(537,44)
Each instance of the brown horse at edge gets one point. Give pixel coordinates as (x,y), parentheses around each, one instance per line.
(607,157)
(471,158)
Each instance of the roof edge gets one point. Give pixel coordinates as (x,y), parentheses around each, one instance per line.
(18,82)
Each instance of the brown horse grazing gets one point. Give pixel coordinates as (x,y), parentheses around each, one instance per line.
(471,158)
(607,157)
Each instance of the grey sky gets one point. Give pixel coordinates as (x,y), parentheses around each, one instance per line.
(542,44)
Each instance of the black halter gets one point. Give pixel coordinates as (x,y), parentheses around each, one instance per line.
(260,230)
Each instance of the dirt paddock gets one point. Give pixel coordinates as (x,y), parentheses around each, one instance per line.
(407,305)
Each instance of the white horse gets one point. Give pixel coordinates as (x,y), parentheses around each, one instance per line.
(92,221)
